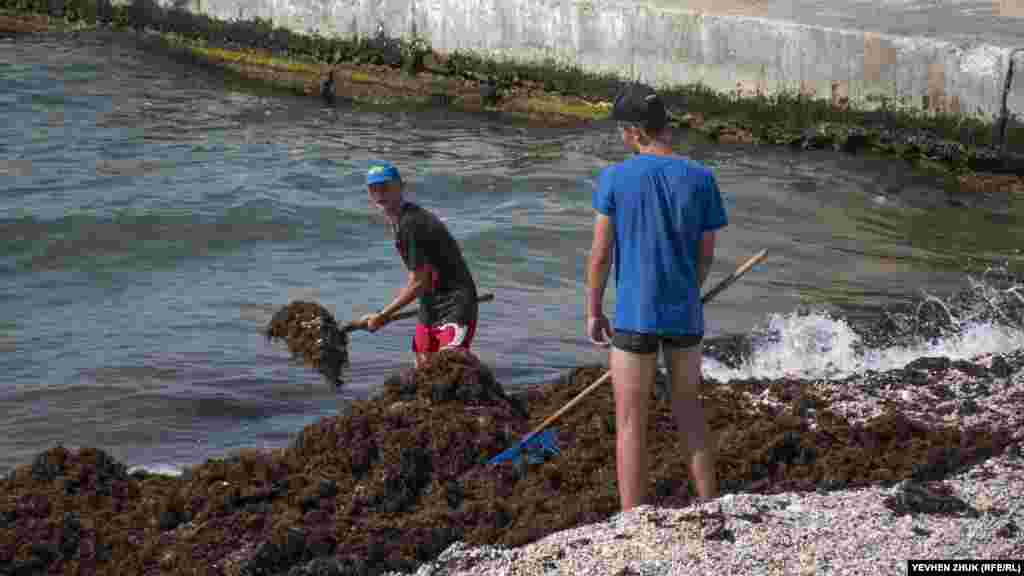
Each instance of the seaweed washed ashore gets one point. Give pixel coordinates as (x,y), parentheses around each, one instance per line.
(394,482)
(962,151)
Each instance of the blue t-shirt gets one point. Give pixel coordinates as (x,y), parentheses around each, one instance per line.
(660,207)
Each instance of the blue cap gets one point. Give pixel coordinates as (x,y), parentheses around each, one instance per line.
(382,172)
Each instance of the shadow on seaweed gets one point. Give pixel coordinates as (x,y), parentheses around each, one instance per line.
(398,478)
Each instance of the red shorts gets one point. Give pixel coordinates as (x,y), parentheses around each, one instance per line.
(430,339)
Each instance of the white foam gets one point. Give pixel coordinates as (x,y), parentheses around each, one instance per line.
(162,469)
(813,346)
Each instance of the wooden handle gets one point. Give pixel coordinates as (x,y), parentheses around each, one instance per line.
(411,313)
(356,325)
(568,405)
(734,276)
(704,299)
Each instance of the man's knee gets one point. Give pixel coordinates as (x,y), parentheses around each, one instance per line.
(684,369)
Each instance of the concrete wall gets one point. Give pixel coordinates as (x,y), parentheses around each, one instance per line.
(661,43)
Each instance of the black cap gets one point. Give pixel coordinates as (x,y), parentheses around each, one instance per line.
(640,104)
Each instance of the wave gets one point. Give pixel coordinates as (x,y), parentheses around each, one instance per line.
(986,318)
(159,469)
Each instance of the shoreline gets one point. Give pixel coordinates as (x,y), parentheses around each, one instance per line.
(958,151)
(929,446)
(392,482)
(400,482)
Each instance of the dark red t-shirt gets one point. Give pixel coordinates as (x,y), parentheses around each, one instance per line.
(424,242)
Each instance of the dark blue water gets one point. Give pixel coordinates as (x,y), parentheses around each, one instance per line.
(154,216)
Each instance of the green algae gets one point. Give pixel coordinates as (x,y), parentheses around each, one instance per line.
(549,89)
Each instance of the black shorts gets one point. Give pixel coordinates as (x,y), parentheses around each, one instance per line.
(641,343)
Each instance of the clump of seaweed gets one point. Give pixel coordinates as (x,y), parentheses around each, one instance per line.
(451,375)
(312,334)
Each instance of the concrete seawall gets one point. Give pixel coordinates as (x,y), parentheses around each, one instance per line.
(746,45)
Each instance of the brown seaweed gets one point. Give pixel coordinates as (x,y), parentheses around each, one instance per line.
(313,335)
(392,482)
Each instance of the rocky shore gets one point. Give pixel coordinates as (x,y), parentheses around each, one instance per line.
(960,151)
(401,482)
(925,459)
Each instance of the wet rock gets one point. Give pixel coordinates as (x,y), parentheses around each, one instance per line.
(323,567)
(385,50)
(453,494)
(731,350)
(930,363)
(441,99)
(1000,368)
(258,508)
(402,489)
(328,488)
(970,369)
(47,466)
(916,377)
(30,567)
(919,531)
(856,140)
(990,160)
(295,545)
(1008,530)
(145,14)
(104,552)
(268,560)
(71,535)
(170,519)
(489,92)
(272,558)
(968,407)
(56,8)
(45,551)
(941,391)
(814,138)
(910,497)
(327,90)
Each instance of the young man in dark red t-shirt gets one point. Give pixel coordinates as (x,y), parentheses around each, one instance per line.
(438,274)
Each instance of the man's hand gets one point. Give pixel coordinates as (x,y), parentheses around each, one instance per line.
(373,322)
(599,330)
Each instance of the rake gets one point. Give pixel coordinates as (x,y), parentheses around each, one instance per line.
(541,441)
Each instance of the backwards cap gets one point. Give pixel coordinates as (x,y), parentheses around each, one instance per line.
(640,104)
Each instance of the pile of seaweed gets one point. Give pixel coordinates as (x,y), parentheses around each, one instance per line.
(399,477)
(312,334)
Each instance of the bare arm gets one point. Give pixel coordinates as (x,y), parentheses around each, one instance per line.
(600,263)
(415,286)
(706,257)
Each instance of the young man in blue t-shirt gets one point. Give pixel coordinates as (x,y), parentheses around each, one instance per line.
(657,213)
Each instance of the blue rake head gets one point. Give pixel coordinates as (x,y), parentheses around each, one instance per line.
(536,447)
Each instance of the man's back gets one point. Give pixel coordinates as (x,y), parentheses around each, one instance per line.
(660,207)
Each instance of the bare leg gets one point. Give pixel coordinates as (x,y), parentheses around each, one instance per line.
(421,359)
(632,375)
(684,371)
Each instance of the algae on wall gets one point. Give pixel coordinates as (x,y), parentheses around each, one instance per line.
(954,144)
